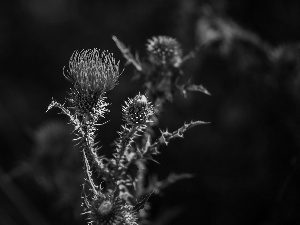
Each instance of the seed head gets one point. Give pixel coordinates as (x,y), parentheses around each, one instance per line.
(137,111)
(164,50)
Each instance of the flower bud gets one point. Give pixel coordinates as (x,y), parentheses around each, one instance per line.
(137,111)
(164,50)
(108,210)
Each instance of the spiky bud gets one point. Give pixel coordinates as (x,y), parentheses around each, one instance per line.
(109,210)
(164,50)
(92,74)
(137,111)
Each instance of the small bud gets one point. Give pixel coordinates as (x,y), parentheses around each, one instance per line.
(164,50)
(108,210)
(137,111)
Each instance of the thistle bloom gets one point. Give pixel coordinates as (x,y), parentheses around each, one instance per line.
(92,74)
(137,111)
(109,210)
(164,50)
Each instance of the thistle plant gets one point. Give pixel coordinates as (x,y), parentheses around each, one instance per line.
(114,190)
(161,71)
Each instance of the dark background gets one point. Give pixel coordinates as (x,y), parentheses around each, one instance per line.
(245,161)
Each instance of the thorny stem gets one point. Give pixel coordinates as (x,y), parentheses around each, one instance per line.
(125,141)
(88,143)
(127,54)
(90,157)
(166,136)
(65,111)
(88,173)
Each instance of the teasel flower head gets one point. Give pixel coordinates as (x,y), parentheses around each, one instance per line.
(93,74)
(109,210)
(164,50)
(137,111)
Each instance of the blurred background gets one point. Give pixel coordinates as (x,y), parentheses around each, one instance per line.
(245,161)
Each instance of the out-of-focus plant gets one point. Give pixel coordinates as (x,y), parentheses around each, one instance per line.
(53,168)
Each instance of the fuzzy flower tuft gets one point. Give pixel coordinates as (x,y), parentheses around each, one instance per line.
(109,210)
(164,50)
(92,73)
(137,111)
